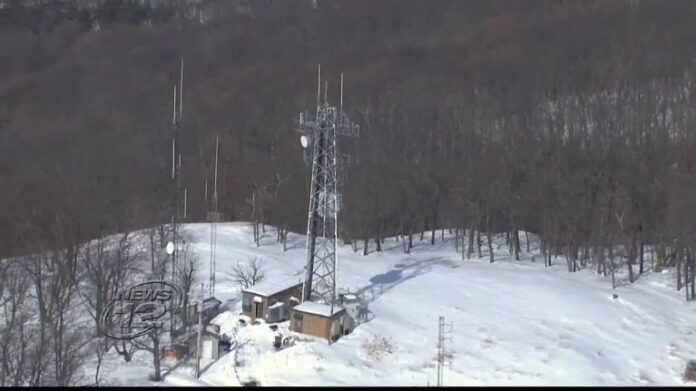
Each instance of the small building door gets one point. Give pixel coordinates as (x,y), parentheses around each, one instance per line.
(298,322)
(256,308)
(207,349)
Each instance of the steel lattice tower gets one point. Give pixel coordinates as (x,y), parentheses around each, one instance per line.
(319,138)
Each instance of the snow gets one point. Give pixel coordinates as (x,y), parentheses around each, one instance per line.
(514,323)
(270,287)
(317,308)
(276,305)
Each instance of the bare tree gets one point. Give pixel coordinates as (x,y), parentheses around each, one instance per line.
(188,266)
(107,266)
(102,347)
(15,332)
(250,274)
(150,342)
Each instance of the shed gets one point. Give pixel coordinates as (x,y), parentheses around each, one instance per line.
(271,299)
(316,319)
(210,341)
(353,305)
(211,309)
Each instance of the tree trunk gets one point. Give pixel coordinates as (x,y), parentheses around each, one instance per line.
(612,267)
(679,280)
(489,233)
(693,276)
(642,252)
(542,249)
(661,255)
(156,357)
(516,240)
(456,240)
(365,247)
(632,256)
(478,243)
(470,249)
(526,239)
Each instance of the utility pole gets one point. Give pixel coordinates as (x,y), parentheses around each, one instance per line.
(444,334)
(200,329)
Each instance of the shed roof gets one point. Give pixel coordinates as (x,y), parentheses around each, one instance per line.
(211,303)
(324,310)
(272,286)
(208,330)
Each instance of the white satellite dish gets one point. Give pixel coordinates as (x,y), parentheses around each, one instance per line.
(170,248)
(304,140)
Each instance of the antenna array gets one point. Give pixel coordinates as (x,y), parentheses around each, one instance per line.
(319,140)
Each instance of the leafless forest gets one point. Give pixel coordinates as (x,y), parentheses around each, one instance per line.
(573,120)
(564,118)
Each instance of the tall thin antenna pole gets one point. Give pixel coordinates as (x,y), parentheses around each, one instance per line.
(444,334)
(200,329)
(178,177)
(174,111)
(440,349)
(181,89)
(217,149)
(213,223)
(341,105)
(318,86)
(185,195)
(173,158)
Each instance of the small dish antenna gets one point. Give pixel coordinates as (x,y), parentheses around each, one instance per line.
(170,248)
(304,140)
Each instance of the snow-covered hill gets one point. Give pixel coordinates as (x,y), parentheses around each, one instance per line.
(514,323)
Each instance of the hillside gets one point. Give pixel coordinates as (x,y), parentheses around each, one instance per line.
(443,93)
(514,323)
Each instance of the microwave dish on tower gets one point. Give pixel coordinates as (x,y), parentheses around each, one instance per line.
(320,132)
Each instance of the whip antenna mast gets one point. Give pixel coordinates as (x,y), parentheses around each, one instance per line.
(214,217)
(176,177)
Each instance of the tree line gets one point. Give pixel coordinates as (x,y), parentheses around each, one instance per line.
(568,119)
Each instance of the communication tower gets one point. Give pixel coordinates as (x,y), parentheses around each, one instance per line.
(320,131)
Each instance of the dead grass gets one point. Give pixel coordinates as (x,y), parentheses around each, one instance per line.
(377,348)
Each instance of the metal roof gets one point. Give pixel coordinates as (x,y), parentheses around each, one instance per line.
(270,287)
(311,307)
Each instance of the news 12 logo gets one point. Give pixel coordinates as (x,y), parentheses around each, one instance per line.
(139,309)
